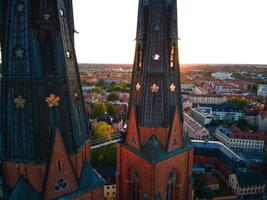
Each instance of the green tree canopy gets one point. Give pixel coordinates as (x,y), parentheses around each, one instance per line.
(104,156)
(242,103)
(100,82)
(98,110)
(110,109)
(113,96)
(102,130)
(264,158)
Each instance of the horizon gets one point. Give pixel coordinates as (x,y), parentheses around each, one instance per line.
(220,31)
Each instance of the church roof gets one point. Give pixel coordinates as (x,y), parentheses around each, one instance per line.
(89,180)
(24,191)
(153,151)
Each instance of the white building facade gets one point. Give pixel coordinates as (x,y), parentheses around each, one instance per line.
(194,130)
(247,185)
(224,135)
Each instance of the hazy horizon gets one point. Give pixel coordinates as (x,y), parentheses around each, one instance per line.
(211,31)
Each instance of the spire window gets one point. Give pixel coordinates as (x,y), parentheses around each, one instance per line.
(48,54)
(135,186)
(171,186)
(172,56)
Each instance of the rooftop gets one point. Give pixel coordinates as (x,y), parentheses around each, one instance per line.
(250,178)
(225,107)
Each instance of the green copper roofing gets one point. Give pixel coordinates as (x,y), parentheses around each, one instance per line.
(24,191)
(89,180)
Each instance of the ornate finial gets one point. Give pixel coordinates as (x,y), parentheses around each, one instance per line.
(172,87)
(19,102)
(154,88)
(52,100)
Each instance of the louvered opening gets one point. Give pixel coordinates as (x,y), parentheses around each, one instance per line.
(48,54)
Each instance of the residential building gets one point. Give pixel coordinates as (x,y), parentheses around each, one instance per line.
(237,133)
(120,107)
(222,75)
(208,99)
(247,185)
(226,111)
(226,88)
(262,121)
(110,191)
(187,86)
(109,174)
(202,115)
(227,137)
(212,182)
(262,90)
(193,129)
(200,90)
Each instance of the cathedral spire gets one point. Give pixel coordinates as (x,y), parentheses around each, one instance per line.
(156,156)
(155,93)
(41,93)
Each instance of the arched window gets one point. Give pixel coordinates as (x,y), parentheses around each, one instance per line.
(172,56)
(139,56)
(135,186)
(171,186)
(48,54)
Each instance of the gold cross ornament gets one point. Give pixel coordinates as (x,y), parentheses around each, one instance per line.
(154,88)
(172,88)
(19,102)
(137,87)
(52,100)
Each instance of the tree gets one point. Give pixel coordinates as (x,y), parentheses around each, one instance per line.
(104,156)
(96,89)
(242,103)
(100,82)
(110,109)
(98,110)
(102,130)
(264,158)
(113,96)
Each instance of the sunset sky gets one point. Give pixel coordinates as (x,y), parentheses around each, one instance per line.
(211,31)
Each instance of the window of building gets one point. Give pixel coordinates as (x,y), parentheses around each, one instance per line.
(48,54)
(135,186)
(61,185)
(172,56)
(171,186)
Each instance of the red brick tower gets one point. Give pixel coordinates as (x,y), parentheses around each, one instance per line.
(155,162)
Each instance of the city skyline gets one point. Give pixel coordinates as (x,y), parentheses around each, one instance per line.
(210,31)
